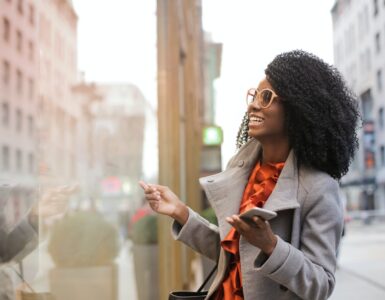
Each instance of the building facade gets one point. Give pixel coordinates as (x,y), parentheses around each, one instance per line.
(18,102)
(58,110)
(121,120)
(359,54)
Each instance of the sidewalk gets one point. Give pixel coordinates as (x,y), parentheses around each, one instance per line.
(362,263)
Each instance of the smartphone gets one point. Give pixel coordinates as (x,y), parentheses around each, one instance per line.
(259,212)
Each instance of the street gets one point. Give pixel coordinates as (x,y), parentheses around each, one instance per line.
(360,273)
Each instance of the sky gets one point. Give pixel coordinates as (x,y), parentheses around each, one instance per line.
(117,43)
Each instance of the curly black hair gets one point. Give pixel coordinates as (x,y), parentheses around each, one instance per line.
(321,112)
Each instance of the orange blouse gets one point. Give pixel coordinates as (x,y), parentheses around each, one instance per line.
(260,185)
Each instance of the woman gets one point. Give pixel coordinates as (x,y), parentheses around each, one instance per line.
(296,141)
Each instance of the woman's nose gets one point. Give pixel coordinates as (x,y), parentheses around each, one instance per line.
(253,106)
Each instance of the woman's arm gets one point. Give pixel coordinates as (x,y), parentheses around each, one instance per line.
(198,233)
(309,271)
(189,227)
(14,243)
(23,238)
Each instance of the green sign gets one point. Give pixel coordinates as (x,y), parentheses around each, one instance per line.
(212,136)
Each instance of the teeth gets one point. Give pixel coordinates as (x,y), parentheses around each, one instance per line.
(256,119)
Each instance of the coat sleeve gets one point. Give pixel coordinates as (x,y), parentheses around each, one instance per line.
(199,234)
(309,270)
(18,242)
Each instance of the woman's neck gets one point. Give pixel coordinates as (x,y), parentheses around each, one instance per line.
(275,152)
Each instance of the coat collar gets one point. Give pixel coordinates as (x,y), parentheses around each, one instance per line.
(225,190)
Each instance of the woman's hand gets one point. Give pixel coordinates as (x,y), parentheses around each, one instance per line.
(53,202)
(163,201)
(257,232)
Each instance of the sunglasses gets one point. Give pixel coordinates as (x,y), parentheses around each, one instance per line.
(264,97)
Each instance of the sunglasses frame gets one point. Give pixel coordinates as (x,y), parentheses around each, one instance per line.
(257,96)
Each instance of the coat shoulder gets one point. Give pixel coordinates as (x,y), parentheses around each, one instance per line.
(250,148)
(312,180)
(322,200)
(321,191)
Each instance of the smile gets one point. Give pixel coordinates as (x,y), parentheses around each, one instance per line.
(254,120)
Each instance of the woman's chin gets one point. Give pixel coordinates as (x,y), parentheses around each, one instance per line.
(255,133)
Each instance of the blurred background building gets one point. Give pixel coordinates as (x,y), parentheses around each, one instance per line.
(121,122)
(58,112)
(19,98)
(57,129)
(359,47)
(212,135)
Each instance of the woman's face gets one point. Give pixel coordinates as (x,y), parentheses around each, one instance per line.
(266,123)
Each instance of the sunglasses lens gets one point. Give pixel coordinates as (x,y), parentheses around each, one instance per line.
(265,98)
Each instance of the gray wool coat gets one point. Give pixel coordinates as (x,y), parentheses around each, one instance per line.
(308,227)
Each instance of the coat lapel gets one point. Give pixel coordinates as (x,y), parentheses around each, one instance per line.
(225,190)
(285,193)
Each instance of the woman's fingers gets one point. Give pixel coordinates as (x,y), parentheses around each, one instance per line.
(154,204)
(261,223)
(151,188)
(153,196)
(243,226)
(160,198)
(238,224)
(148,188)
(68,189)
(143,185)
(158,187)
